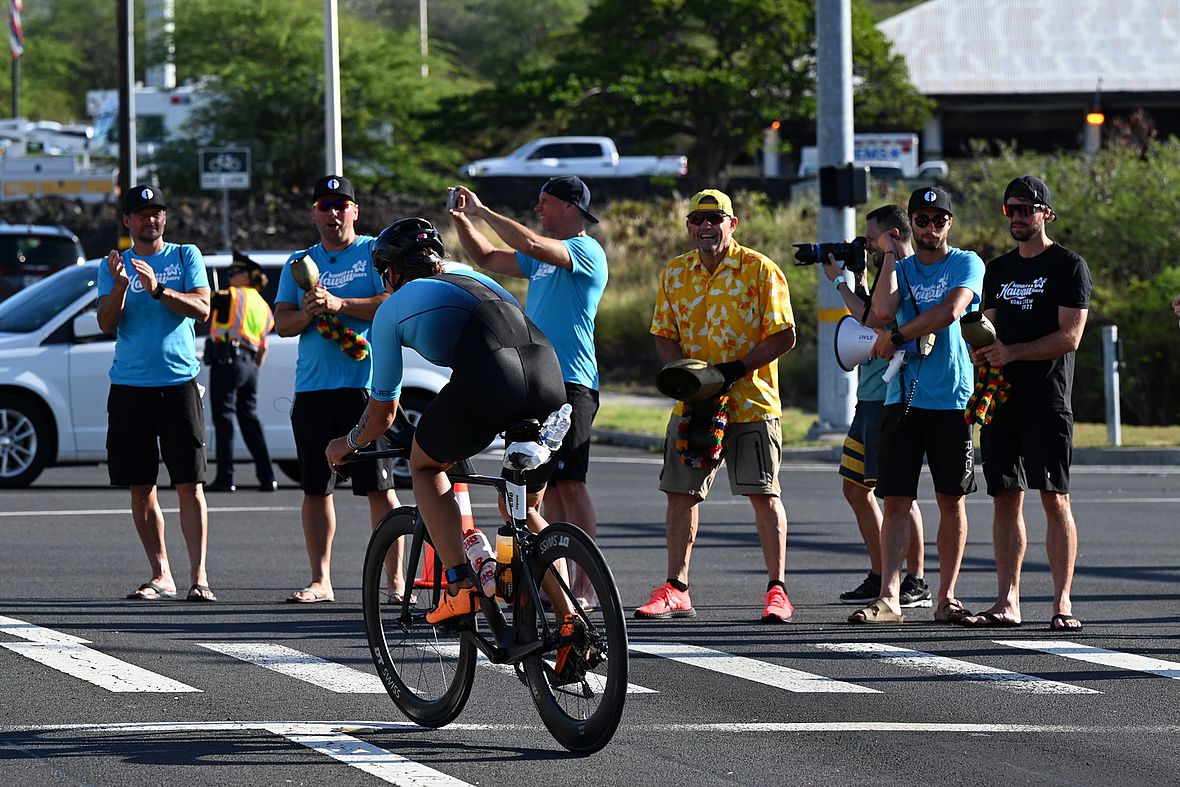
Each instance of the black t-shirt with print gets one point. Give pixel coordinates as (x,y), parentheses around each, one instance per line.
(1026,294)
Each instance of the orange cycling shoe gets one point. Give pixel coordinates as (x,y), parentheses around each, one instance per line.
(570,666)
(462,603)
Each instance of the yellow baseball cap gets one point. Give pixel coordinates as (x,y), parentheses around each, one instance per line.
(711,199)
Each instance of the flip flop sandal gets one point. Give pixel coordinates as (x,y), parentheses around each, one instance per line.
(1061,623)
(310,597)
(157,592)
(990,621)
(876,612)
(201,593)
(397,599)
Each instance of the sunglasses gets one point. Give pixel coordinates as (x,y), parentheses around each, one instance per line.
(325,205)
(926,221)
(697,219)
(1020,210)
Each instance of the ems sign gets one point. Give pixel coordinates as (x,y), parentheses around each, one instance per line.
(224,168)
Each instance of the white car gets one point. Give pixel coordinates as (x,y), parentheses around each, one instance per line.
(54,377)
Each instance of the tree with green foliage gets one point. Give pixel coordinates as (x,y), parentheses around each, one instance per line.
(712,75)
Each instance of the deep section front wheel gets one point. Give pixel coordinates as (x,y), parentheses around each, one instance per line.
(579,694)
(426,671)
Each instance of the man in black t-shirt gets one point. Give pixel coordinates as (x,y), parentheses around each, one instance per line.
(1037,297)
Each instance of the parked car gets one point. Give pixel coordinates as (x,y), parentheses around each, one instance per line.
(30,252)
(586,157)
(54,377)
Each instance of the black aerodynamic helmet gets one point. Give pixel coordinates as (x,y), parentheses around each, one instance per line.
(409,246)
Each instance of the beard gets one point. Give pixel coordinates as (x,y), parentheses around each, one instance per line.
(1021,234)
(926,245)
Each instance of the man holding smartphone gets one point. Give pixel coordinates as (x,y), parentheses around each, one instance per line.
(567,274)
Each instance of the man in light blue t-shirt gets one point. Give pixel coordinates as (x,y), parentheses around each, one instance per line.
(150,297)
(566,269)
(926,293)
(332,373)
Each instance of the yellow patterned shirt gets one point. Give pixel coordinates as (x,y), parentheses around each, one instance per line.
(722,316)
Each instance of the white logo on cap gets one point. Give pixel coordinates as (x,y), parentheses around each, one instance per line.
(333,184)
(930,196)
(146,194)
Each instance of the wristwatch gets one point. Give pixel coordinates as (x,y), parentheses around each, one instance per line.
(837,282)
(896,337)
(159,291)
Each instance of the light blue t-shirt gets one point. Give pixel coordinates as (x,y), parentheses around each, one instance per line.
(427,315)
(155,346)
(870,387)
(347,273)
(946,376)
(563,305)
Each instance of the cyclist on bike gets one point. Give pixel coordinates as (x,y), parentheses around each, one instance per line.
(503,370)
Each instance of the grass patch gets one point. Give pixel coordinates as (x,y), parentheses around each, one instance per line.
(796,423)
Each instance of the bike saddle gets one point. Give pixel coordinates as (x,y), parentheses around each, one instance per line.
(523,431)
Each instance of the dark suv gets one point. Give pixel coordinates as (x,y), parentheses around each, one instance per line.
(30,252)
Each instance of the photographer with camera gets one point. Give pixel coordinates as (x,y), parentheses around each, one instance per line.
(926,292)
(887,231)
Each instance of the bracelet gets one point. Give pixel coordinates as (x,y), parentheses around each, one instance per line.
(352,439)
(837,282)
(159,291)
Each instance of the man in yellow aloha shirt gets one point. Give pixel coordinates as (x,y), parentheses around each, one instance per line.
(729,306)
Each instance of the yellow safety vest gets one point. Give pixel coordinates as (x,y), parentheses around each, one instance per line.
(247,321)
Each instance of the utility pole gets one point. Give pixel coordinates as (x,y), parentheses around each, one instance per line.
(333,149)
(833,28)
(423,38)
(127,131)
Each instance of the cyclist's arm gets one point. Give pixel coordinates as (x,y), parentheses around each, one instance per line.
(377,417)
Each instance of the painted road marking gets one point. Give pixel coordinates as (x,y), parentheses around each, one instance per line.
(68,654)
(595,681)
(762,672)
(329,675)
(1107,658)
(960,670)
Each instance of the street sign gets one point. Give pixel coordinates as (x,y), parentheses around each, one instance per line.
(224,168)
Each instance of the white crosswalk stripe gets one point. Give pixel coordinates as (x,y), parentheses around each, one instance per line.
(962,670)
(1107,658)
(70,655)
(773,675)
(328,675)
(595,681)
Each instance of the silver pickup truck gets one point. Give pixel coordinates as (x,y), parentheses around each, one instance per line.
(586,157)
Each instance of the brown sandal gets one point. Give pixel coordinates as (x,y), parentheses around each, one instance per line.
(877,612)
(951,610)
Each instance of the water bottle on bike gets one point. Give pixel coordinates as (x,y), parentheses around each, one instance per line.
(482,560)
(555,427)
(531,454)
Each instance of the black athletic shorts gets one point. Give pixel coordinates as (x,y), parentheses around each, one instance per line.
(573,460)
(144,424)
(1027,448)
(942,436)
(317,418)
(504,370)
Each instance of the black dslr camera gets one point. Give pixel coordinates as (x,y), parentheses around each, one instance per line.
(851,253)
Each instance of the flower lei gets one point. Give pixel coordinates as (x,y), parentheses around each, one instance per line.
(353,344)
(991,391)
(717,424)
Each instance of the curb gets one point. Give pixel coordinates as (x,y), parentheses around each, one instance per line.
(1146,457)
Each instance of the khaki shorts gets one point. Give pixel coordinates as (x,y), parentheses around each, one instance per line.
(753,453)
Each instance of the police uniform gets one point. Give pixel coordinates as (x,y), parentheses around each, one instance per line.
(241,319)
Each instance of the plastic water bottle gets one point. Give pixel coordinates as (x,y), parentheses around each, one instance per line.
(505,547)
(482,560)
(555,426)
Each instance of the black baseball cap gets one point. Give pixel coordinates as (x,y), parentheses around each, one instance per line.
(139,197)
(333,186)
(243,263)
(930,197)
(1030,188)
(571,189)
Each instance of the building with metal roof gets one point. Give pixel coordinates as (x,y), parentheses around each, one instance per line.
(1031,71)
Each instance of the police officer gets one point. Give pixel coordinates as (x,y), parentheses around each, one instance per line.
(235,352)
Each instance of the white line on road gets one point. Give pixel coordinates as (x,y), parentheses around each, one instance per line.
(773,675)
(595,681)
(1107,658)
(127,511)
(373,760)
(960,670)
(69,654)
(329,675)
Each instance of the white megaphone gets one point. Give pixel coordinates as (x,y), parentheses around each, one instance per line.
(854,342)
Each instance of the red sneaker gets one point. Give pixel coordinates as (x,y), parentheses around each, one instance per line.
(778,607)
(462,603)
(667,602)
